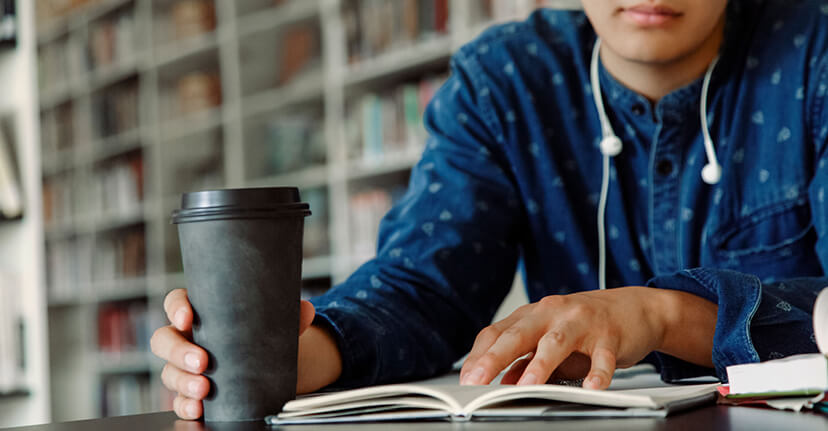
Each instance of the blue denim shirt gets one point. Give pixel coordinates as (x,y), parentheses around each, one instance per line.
(510,180)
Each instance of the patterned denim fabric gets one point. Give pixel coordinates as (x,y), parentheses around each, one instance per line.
(510,179)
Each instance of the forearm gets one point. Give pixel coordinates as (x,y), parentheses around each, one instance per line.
(689,324)
(320,362)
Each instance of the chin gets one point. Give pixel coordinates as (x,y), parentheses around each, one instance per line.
(650,50)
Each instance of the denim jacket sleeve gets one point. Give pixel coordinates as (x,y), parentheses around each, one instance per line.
(760,321)
(446,256)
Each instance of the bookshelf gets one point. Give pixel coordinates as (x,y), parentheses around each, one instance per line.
(142,100)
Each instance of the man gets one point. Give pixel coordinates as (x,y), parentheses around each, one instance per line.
(516,175)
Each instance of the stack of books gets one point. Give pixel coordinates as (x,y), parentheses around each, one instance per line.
(794,383)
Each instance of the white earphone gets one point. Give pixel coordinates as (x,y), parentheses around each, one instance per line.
(611,146)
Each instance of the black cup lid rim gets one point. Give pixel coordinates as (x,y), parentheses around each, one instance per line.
(241,198)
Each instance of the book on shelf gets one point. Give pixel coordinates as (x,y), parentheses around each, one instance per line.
(11,189)
(12,334)
(192,17)
(291,142)
(198,91)
(120,255)
(116,109)
(796,375)
(111,40)
(374,27)
(299,51)
(125,394)
(367,208)
(123,327)
(118,186)
(388,124)
(489,402)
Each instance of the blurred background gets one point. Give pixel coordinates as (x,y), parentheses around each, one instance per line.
(110,109)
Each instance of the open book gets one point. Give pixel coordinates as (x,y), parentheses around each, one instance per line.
(463,403)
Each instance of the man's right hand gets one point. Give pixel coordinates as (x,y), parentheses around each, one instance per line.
(319,362)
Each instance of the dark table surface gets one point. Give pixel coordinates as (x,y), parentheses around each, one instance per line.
(707,418)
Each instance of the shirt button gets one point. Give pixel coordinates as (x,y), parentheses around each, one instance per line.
(638,109)
(664,167)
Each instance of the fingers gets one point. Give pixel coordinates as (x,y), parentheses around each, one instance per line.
(552,349)
(514,342)
(306,314)
(515,371)
(485,339)
(178,309)
(168,344)
(602,369)
(186,408)
(187,384)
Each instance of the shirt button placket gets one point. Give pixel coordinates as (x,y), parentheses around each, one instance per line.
(665,194)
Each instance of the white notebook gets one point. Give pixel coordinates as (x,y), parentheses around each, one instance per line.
(802,375)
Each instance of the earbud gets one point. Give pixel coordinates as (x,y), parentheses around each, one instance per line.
(611,145)
(711,173)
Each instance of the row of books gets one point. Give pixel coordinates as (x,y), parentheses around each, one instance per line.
(73,265)
(115,110)
(373,27)
(287,142)
(57,129)
(123,327)
(118,186)
(125,394)
(121,255)
(12,334)
(113,191)
(60,63)
(366,209)
(112,40)
(388,123)
(299,51)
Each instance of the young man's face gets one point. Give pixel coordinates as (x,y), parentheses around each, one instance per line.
(655,31)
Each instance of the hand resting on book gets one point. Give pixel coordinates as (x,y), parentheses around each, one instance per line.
(590,334)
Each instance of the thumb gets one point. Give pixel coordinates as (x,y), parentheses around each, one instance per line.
(306,314)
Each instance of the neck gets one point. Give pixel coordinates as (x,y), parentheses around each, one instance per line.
(655,80)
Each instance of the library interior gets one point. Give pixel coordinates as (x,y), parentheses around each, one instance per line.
(110,110)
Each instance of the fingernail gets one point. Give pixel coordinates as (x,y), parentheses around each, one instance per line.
(192,387)
(192,409)
(528,379)
(179,318)
(594,382)
(192,361)
(475,377)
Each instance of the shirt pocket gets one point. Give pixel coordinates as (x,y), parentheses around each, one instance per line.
(774,241)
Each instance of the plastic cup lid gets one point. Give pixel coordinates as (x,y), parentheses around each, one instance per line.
(264,202)
(821,321)
(264,197)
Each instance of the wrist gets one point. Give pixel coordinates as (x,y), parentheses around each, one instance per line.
(686,325)
(319,360)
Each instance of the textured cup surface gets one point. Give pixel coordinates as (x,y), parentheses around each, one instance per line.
(243,267)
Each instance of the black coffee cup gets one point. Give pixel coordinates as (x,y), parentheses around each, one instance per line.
(242,254)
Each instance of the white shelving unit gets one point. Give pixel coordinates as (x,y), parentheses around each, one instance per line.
(21,241)
(224,142)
